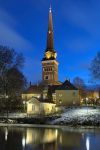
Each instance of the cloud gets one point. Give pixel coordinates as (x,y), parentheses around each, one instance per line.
(6,18)
(84,14)
(8,34)
(13,39)
(79,44)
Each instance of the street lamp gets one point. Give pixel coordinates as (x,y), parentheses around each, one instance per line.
(87,100)
(87,103)
(6,98)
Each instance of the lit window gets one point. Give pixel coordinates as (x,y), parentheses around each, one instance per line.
(33,108)
(60,101)
(74,93)
(49,31)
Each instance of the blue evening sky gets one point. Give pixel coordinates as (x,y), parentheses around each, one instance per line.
(24,23)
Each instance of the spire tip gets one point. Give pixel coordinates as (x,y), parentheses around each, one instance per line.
(50,9)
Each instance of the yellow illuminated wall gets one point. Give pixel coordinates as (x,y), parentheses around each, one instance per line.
(41,108)
(67,97)
(29,96)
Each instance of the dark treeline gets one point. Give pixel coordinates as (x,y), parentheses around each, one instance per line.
(12,80)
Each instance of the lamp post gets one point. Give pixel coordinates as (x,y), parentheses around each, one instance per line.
(7,107)
(87,103)
(6,99)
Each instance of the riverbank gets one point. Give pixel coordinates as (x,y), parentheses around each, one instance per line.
(62,127)
(84,116)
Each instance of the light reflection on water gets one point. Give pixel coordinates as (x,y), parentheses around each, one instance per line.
(48,139)
(87,143)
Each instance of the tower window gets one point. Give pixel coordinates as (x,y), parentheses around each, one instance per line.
(46,77)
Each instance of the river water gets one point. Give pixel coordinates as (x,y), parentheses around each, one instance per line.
(40,138)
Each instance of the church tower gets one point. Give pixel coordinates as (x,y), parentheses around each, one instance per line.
(49,62)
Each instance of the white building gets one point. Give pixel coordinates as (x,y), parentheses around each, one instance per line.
(36,107)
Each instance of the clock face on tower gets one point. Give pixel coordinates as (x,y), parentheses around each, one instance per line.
(55,55)
(49,55)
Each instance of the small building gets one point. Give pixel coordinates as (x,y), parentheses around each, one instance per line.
(67,95)
(96,93)
(37,107)
(93,93)
(33,106)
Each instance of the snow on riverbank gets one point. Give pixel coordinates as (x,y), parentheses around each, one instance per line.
(13,115)
(81,116)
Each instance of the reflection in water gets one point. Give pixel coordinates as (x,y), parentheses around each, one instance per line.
(87,144)
(35,136)
(6,133)
(23,142)
(47,139)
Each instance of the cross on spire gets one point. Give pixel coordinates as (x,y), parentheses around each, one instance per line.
(50,9)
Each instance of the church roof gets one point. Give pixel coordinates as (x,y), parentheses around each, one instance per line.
(34,89)
(50,38)
(67,86)
(50,53)
(34,100)
(52,88)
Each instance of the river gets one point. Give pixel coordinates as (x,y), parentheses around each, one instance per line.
(47,138)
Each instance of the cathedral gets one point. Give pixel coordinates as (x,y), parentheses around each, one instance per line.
(50,93)
(49,62)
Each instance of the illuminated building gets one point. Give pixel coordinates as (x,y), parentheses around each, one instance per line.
(49,62)
(50,89)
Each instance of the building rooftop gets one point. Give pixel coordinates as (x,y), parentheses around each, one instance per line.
(40,100)
(67,86)
(34,89)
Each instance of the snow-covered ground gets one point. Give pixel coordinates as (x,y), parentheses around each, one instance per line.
(14,115)
(71,116)
(84,115)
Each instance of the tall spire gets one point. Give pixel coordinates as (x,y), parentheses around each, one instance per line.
(50,38)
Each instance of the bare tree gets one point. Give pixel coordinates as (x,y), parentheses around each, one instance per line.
(80,84)
(95,67)
(95,70)
(12,80)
